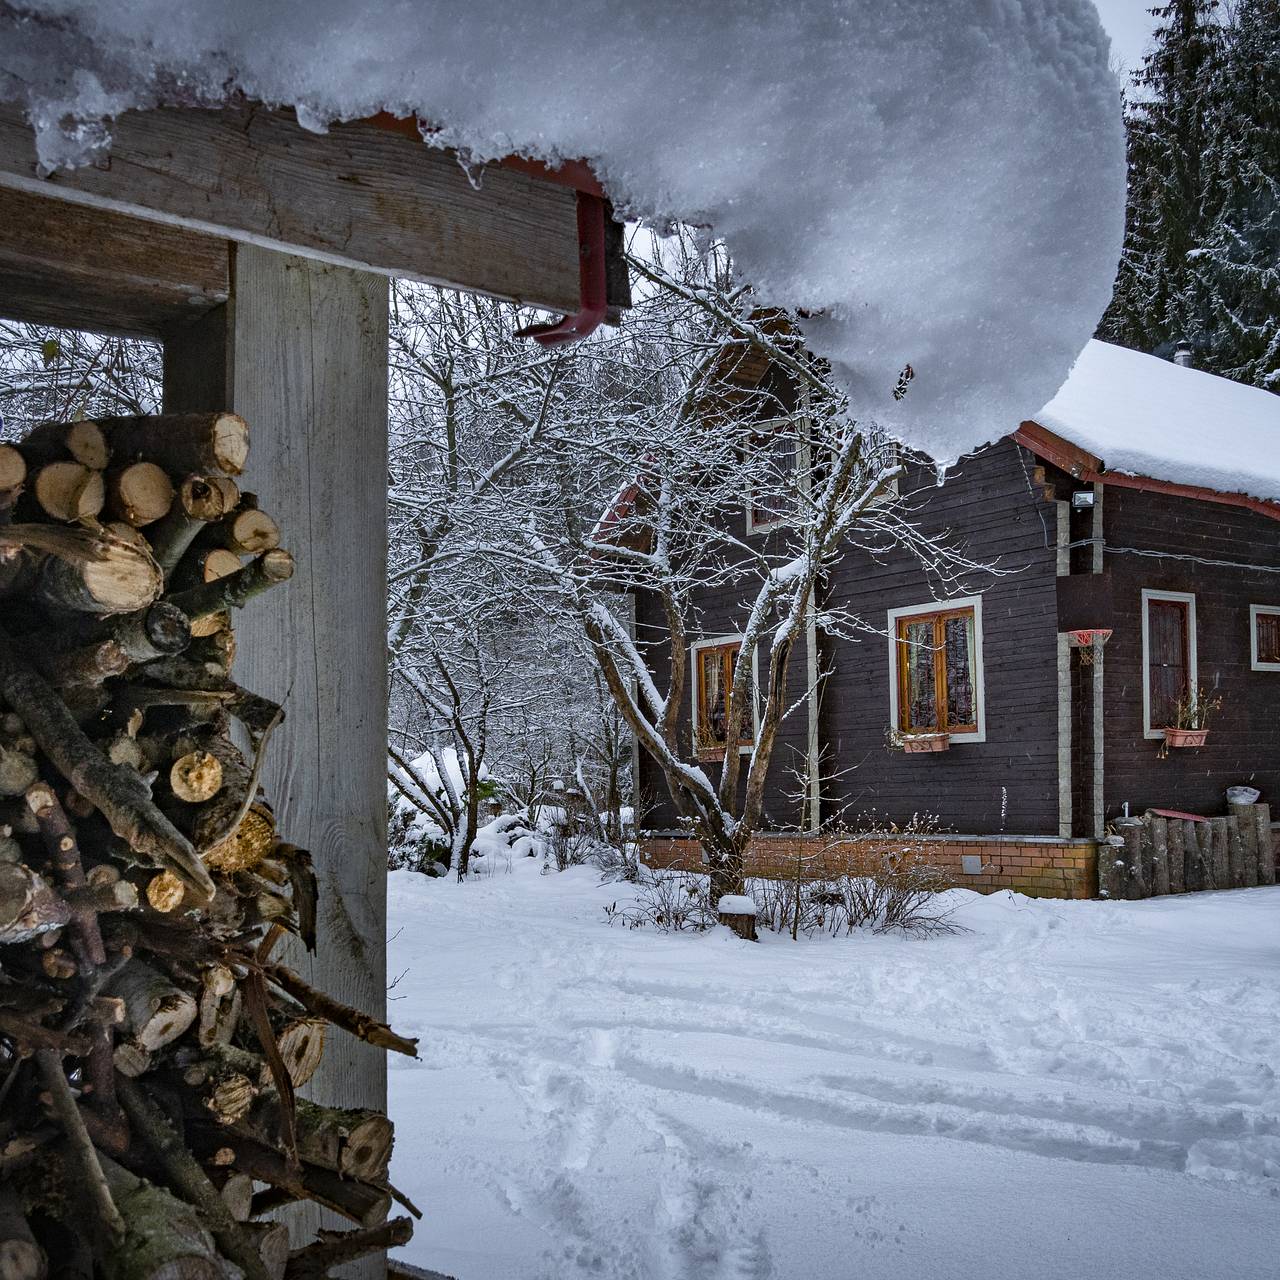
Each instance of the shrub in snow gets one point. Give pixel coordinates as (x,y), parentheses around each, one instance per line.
(936,184)
(880,879)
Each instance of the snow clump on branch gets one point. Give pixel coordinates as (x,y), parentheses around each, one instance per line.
(938,185)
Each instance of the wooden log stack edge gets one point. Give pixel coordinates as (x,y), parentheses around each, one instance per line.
(151,1045)
(1155,855)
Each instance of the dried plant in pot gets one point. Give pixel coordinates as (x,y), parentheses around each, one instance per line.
(1190,727)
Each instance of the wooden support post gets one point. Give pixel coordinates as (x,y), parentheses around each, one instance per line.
(1266,848)
(1159,829)
(1177,856)
(1242,816)
(1235,853)
(304,361)
(1135,883)
(1111,870)
(1200,863)
(1221,853)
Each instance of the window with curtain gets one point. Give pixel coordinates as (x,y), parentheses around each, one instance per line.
(714,667)
(1264,620)
(1168,659)
(937,672)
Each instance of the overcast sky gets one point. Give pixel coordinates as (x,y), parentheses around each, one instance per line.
(1128,24)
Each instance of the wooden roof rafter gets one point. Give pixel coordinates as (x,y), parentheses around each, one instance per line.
(1089,469)
(363,195)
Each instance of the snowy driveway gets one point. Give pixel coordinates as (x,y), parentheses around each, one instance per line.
(1066,1090)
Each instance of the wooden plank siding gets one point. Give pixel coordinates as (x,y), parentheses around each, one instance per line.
(1008,783)
(1244,738)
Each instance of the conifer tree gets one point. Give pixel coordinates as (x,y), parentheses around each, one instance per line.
(1202,234)
(1170,113)
(1239,262)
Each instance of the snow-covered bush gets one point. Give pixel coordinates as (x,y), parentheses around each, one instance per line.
(880,880)
(670,901)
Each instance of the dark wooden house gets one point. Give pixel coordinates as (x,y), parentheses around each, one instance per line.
(1132,534)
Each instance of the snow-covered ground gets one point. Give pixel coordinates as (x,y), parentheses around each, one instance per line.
(1065,1090)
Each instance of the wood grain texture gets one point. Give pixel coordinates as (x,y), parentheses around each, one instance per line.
(64,264)
(357,196)
(306,367)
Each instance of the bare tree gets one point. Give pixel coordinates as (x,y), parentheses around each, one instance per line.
(672,531)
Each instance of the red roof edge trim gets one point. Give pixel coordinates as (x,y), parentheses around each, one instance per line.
(1084,466)
(574,174)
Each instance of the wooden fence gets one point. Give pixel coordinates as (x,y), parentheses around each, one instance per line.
(1181,855)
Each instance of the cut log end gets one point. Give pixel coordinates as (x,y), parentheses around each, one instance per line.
(139,494)
(70,491)
(196,776)
(13,468)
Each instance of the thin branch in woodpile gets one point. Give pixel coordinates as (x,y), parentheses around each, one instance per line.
(81,1146)
(199,500)
(350,1020)
(256,1003)
(218,839)
(235,591)
(189,1180)
(333,1248)
(64,854)
(119,794)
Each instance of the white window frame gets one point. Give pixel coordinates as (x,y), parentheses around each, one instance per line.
(715,642)
(755,526)
(979,677)
(1193,665)
(1257,611)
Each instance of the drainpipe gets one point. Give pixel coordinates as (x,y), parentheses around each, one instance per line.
(1099,807)
(1064,681)
(813,747)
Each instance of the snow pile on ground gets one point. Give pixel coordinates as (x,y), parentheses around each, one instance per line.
(1151,417)
(1066,1090)
(944,182)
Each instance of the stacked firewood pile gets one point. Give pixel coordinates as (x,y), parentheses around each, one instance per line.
(150,1039)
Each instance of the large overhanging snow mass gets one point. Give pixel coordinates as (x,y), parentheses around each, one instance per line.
(940,183)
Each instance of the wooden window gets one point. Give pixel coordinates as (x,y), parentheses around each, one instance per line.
(768,503)
(1264,637)
(1168,657)
(714,663)
(937,669)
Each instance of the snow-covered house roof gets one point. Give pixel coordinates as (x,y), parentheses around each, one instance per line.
(1139,415)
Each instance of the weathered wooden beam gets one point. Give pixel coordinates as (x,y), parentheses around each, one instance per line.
(67,265)
(358,196)
(301,353)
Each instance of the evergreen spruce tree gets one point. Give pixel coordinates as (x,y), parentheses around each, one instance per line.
(1238,264)
(1169,116)
(1201,261)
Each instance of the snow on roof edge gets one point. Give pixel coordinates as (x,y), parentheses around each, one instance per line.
(1145,416)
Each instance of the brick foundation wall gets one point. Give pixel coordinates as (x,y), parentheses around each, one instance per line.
(1039,866)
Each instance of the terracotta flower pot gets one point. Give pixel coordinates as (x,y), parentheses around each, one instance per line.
(918,743)
(1185,737)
